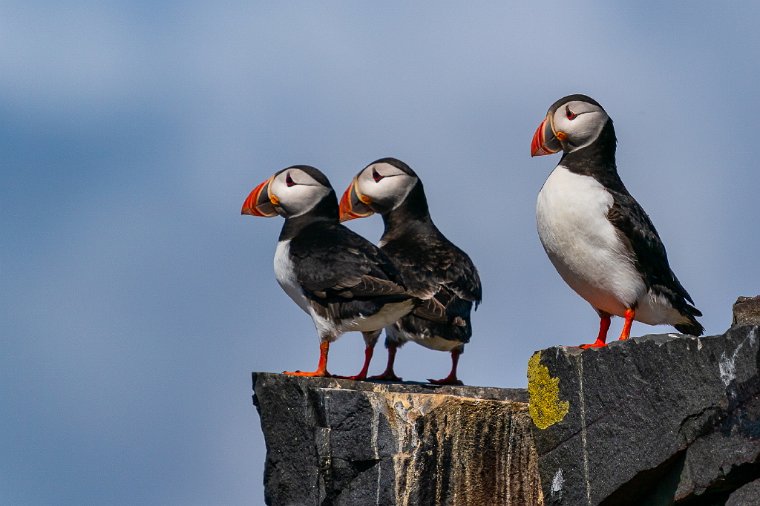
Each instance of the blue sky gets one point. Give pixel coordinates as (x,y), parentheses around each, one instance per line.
(135,300)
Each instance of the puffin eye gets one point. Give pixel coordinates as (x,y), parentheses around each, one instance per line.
(289,180)
(376,175)
(570,114)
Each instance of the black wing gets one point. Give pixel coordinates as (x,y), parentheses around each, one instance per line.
(444,277)
(429,264)
(649,254)
(335,265)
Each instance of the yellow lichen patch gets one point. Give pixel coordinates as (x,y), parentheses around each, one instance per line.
(545,407)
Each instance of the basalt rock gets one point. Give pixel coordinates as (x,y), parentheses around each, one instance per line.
(656,420)
(746,311)
(342,442)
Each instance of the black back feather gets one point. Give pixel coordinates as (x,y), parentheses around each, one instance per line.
(434,270)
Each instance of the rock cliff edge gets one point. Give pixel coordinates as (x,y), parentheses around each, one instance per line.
(332,441)
(656,420)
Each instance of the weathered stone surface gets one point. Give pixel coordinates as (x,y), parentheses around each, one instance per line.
(656,420)
(747,311)
(343,442)
(747,495)
(659,419)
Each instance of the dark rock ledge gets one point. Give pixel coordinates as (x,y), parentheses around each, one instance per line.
(332,441)
(659,419)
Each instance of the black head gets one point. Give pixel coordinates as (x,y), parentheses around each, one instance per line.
(380,187)
(292,192)
(572,123)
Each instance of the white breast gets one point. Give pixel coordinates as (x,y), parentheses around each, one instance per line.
(286,276)
(583,245)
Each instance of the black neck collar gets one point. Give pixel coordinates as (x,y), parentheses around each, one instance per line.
(412,213)
(597,159)
(326,210)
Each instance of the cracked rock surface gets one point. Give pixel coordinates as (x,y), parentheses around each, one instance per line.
(656,420)
(341,442)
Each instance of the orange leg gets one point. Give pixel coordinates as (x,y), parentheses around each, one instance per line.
(626,333)
(451,379)
(368,351)
(321,371)
(601,338)
(388,374)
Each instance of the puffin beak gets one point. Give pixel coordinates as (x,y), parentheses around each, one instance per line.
(353,204)
(259,202)
(544,141)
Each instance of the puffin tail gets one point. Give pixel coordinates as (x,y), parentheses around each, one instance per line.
(689,325)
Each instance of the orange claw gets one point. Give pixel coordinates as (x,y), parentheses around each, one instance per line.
(388,374)
(321,372)
(368,351)
(309,374)
(451,379)
(601,338)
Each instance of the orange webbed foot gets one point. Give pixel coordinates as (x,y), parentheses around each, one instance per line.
(321,371)
(356,377)
(596,344)
(386,376)
(311,374)
(365,367)
(448,380)
(451,379)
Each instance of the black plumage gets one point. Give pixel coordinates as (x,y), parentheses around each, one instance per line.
(434,270)
(341,273)
(343,281)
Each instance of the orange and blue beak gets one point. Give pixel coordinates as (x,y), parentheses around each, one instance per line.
(545,141)
(260,202)
(353,204)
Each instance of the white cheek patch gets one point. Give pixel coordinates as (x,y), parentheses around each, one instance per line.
(588,131)
(584,129)
(297,199)
(389,191)
(366,183)
(304,198)
(398,189)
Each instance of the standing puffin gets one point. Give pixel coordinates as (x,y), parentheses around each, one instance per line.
(597,236)
(343,281)
(434,269)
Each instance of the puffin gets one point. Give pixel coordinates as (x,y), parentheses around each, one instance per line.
(434,269)
(343,281)
(598,237)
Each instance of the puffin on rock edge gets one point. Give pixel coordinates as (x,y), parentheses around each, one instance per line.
(598,237)
(434,269)
(344,282)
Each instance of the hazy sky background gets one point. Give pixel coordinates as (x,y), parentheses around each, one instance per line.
(135,300)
